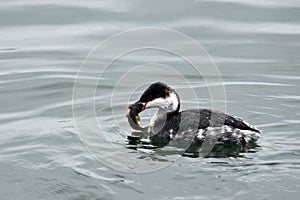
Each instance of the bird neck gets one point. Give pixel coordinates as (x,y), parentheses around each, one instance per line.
(173,102)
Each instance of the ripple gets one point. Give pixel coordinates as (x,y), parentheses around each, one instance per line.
(254,43)
(264,4)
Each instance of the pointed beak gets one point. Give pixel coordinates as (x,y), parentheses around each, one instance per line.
(127,106)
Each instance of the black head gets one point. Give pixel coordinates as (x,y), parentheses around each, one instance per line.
(161,96)
(154,91)
(157,95)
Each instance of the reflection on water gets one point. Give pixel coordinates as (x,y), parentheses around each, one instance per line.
(255,45)
(139,141)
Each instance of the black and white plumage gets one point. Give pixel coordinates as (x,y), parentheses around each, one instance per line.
(196,125)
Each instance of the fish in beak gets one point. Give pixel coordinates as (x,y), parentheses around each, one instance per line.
(133,115)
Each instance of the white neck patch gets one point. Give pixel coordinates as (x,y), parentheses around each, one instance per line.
(168,104)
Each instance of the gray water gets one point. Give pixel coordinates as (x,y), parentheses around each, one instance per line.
(255,45)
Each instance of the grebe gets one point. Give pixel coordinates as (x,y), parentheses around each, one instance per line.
(196,125)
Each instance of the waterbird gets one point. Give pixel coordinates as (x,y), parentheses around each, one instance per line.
(194,125)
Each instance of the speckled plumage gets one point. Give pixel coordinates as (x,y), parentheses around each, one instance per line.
(198,124)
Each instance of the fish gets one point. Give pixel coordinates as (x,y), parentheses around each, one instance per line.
(133,116)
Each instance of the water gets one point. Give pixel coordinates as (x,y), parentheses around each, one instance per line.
(255,45)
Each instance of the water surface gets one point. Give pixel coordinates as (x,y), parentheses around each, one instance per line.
(255,45)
